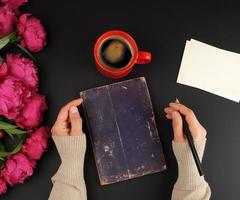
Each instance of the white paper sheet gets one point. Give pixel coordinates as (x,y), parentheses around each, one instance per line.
(211,69)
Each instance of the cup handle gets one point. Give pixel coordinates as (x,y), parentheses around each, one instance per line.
(144,57)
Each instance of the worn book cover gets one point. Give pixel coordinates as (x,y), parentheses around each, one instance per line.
(123,131)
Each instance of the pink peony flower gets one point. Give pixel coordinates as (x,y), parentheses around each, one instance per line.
(3,186)
(14,4)
(3,70)
(31,32)
(23,69)
(7,20)
(32,113)
(37,143)
(12,94)
(17,168)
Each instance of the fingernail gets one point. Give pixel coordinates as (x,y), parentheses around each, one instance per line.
(74,109)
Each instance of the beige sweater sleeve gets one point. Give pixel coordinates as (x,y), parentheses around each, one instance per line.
(189,185)
(68,182)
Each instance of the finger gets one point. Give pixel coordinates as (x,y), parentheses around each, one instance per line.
(169,110)
(180,107)
(168,116)
(177,127)
(63,114)
(76,121)
(60,129)
(189,114)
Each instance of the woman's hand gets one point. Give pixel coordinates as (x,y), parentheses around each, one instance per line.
(173,113)
(68,182)
(69,121)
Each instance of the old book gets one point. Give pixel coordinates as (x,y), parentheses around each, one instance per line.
(123,131)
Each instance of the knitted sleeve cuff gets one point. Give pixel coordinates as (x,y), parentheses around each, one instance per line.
(188,176)
(72,152)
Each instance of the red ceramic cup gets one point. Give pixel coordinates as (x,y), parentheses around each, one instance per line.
(138,57)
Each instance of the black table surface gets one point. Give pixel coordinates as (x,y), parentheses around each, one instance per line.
(66,66)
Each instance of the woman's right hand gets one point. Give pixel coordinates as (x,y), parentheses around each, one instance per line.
(173,113)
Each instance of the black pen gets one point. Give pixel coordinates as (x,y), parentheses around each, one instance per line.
(188,135)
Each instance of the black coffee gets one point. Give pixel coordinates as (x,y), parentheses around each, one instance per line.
(115,53)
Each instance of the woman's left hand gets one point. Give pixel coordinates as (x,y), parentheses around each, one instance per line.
(69,121)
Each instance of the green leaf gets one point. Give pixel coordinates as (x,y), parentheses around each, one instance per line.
(11,136)
(11,129)
(4,154)
(22,136)
(2,146)
(1,164)
(14,131)
(26,51)
(3,42)
(6,125)
(12,37)
(15,150)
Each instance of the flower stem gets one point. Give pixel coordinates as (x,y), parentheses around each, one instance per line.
(26,51)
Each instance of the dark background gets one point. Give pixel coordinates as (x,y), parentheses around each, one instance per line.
(66,67)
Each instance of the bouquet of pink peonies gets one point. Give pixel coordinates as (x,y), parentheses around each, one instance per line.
(22,140)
